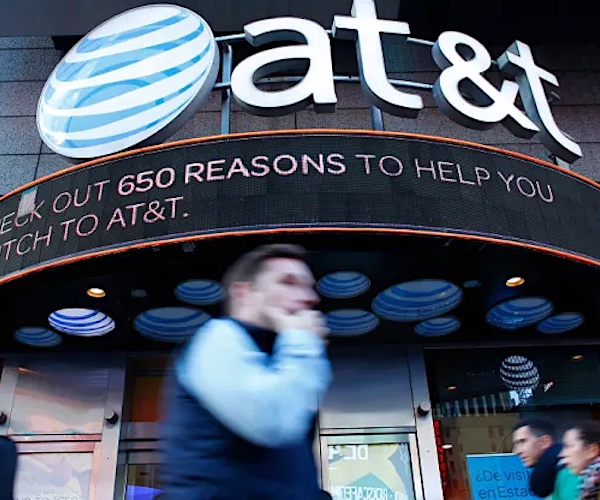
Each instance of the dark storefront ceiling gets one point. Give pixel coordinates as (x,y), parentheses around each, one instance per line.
(385,260)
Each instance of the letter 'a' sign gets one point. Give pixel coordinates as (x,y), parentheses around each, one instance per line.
(104,96)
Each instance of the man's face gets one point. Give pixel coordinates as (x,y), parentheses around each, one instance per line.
(284,283)
(528,446)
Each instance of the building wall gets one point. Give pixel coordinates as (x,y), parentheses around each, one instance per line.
(28,61)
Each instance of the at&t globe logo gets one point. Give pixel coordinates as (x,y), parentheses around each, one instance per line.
(131,81)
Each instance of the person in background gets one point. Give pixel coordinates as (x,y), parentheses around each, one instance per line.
(8,467)
(533,442)
(241,409)
(581,452)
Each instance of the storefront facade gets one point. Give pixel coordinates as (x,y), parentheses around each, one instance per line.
(459,268)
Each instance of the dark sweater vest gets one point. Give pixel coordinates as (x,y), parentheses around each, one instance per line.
(203,460)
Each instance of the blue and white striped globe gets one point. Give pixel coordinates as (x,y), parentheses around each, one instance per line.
(437,327)
(200,292)
(350,322)
(343,285)
(561,323)
(81,322)
(417,300)
(37,336)
(132,81)
(519,313)
(170,324)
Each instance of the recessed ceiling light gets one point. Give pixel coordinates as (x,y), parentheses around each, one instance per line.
(577,357)
(515,281)
(446,446)
(97,293)
(451,388)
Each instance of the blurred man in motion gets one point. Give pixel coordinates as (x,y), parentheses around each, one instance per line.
(240,412)
(8,467)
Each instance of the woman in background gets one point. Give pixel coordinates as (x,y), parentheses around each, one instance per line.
(581,452)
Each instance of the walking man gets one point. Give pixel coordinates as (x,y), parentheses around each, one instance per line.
(241,408)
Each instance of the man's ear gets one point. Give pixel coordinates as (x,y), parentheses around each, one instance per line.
(238,291)
(546,441)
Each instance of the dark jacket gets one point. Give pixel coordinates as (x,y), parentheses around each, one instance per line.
(543,476)
(8,467)
(204,460)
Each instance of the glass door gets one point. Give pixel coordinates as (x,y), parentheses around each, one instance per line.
(377,466)
(138,476)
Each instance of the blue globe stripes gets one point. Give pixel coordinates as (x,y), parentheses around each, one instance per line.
(343,285)
(133,79)
(437,327)
(170,324)
(417,300)
(200,292)
(81,322)
(519,313)
(37,336)
(561,323)
(350,322)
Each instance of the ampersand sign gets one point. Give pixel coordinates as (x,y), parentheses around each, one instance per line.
(466,96)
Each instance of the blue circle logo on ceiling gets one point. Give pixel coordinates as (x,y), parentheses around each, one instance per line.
(200,292)
(417,300)
(519,313)
(437,327)
(170,324)
(81,322)
(561,323)
(343,285)
(37,336)
(350,322)
(132,81)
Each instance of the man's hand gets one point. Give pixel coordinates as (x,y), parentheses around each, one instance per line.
(310,320)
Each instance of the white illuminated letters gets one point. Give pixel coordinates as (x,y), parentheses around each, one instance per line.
(517,62)
(366,29)
(462,91)
(462,76)
(317,85)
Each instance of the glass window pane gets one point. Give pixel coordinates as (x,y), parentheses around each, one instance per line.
(54,476)
(59,399)
(142,482)
(146,401)
(478,397)
(378,471)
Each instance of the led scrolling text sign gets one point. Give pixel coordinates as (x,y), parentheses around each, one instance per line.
(366,181)
(112,86)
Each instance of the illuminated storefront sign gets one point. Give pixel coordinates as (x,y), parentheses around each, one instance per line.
(136,78)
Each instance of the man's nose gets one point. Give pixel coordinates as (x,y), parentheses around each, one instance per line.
(311,298)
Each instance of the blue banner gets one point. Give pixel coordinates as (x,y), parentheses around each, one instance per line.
(499,476)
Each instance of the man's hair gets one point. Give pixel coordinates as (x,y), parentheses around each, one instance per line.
(539,426)
(249,265)
(589,432)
